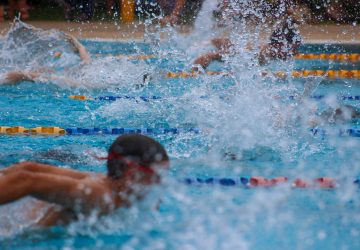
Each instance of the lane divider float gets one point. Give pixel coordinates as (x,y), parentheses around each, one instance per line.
(341,132)
(344,57)
(32,131)
(114,98)
(354,57)
(19,130)
(150,98)
(330,74)
(340,97)
(258,181)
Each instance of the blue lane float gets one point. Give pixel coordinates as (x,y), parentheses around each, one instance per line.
(341,132)
(114,98)
(320,97)
(19,130)
(154,98)
(122,131)
(240,182)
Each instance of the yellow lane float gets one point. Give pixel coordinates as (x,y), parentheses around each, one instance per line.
(32,131)
(331,74)
(48,131)
(3,130)
(14,130)
(79,97)
(354,57)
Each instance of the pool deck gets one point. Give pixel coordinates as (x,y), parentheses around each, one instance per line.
(111,31)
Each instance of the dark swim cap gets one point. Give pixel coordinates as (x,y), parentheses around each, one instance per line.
(287,34)
(131,149)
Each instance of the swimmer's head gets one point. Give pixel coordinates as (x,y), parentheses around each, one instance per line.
(346,112)
(285,40)
(136,155)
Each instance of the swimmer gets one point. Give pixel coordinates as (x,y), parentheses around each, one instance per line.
(178,11)
(20,33)
(16,77)
(284,44)
(134,163)
(83,53)
(342,114)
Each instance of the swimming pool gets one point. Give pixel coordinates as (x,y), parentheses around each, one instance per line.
(232,114)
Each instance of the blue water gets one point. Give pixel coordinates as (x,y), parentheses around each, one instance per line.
(194,217)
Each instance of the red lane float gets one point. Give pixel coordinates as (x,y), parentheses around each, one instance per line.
(258,181)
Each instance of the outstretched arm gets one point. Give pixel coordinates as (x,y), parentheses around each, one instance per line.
(206,59)
(222,45)
(70,193)
(174,16)
(34,167)
(84,54)
(14,77)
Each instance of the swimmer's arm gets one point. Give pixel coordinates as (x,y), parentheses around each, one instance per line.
(179,5)
(84,54)
(14,77)
(35,167)
(174,16)
(222,43)
(77,195)
(206,59)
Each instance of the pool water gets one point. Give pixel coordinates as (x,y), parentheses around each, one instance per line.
(233,116)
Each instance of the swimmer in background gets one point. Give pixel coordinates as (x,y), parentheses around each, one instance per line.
(179,11)
(339,115)
(83,53)
(284,44)
(171,11)
(309,115)
(134,163)
(17,76)
(20,31)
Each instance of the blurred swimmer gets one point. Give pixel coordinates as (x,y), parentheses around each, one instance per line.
(83,53)
(178,11)
(24,31)
(308,114)
(16,77)
(284,44)
(341,114)
(36,40)
(134,163)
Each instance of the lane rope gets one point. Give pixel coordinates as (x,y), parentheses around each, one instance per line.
(114,98)
(329,74)
(339,97)
(150,98)
(343,57)
(258,181)
(353,57)
(20,130)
